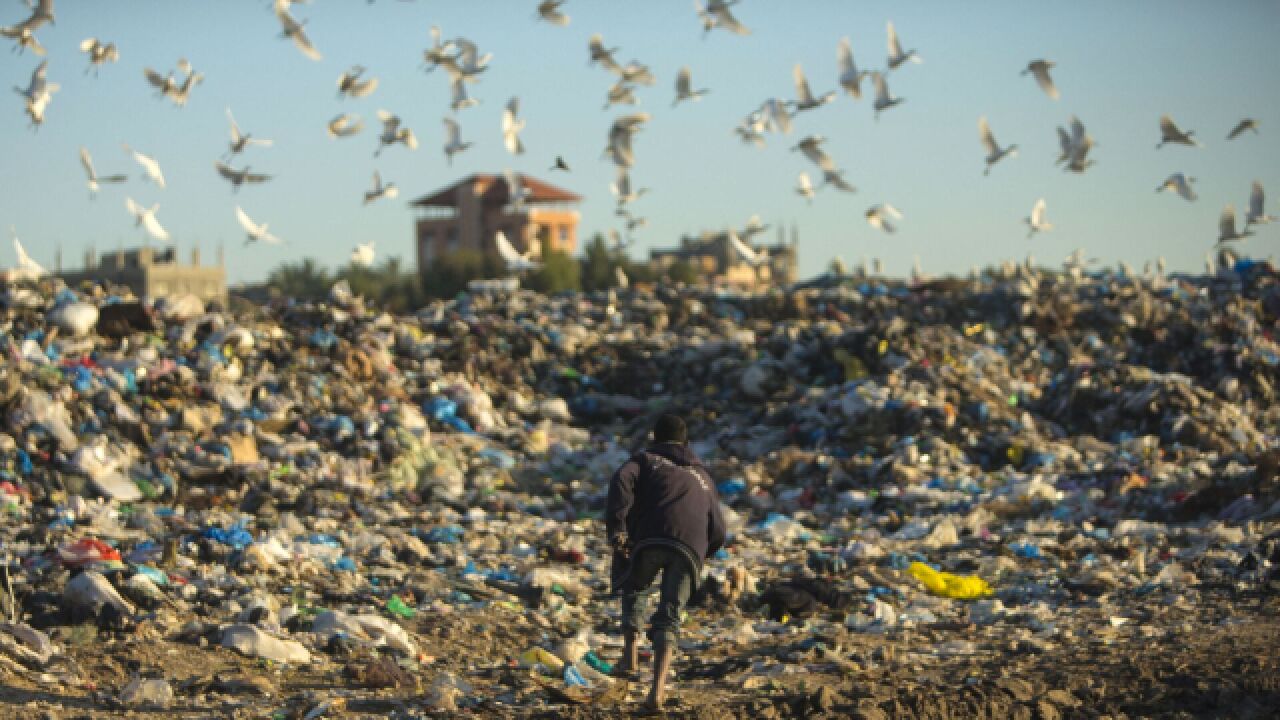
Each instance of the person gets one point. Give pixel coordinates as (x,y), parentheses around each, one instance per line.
(663,517)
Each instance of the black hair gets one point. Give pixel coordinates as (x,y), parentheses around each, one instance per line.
(670,429)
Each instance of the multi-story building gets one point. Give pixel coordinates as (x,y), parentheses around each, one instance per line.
(152,272)
(713,257)
(469,213)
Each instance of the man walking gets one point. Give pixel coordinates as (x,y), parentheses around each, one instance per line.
(663,517)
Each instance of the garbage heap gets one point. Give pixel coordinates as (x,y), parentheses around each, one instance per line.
(230,508)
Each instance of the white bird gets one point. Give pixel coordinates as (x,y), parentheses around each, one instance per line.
(637,73)
(240,177)
(512,125)
(146,217)
(850,77)
(363,255)
(620,135)
(150,168)
(516,191)
(752,257)
(1227,226)
(345,126)
(350,84)
(239,140)
(1180,185)
(620,277)
(460,100)
(1245,124)
(453,139)
(1075,147)
(836,179)
(896,55)
(1169,133)
(620,93)
(622,190)
(24,32)
(1039,69)
(438,53)
(393,133)
(717,14)
(811,146)
(751,131)
(880,217)
(684,87)
(94,179)
(26,40)
(168,85)
(380,190)
(1257,207)
(753,227)
(514,260)
(292,29)
(805,187)
(99,53)
(467,63)
(776,116)
(256,233)
(805,99)
(1036,221)
(884,100)
(27,269)
(995,153)
(601,54)
(38,94)
(549,10)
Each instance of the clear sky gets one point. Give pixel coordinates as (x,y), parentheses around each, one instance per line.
(1120,66)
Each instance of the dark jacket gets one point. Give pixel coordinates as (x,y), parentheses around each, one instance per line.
(664,495)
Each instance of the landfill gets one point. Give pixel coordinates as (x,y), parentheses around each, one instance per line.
(1026,493)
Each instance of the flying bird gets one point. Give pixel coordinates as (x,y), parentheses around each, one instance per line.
(292,29)
(620,93)
(239,177)
(850,77)
(256,232)
(460,99)
(811,146)
(1036,222)
(345,126)
(622,190)
(751,130)
(896,56)
(560,165)
(467,63)
(1257,207)
(1169,133)
(549,10)
(146,218)
(168,85)
(1039,69)
(363,255)
(350,84)
(439,52)
(884,100)
(1227,226)
(393,133)
(150,168)
(748,255)
(601,54)
(995,153)
(835,178)
(39,94)
(1180,185)
(620,277)
(636,73)
(239,140)
(24,32)
(716,13)
(380,190)
(512,125)
(881,216)
(805,99)
(804,188)
(453,139)
(776,117)
(1075,146)
(753,227)
(26,40)
(620,136)
(27,269)
(94,179)
(514,260)
(1245,124)
(684,87)
(516,191)
(99,53)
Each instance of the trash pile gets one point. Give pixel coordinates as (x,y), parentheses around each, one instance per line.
(993,494)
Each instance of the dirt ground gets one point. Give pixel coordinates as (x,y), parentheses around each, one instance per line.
(1217,659)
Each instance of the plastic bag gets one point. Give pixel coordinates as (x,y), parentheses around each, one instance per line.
(944,584)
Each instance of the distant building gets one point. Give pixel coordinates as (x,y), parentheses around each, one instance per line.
(152,272)
(714,259)
(467,215)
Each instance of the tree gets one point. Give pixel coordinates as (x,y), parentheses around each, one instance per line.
(682,271)
(304,280)
(559,272)
(448,275)
(598,265)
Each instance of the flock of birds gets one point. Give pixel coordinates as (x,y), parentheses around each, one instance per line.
(464,64)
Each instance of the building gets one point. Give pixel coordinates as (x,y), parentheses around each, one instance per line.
(712,256)
(467,215)
(152,272)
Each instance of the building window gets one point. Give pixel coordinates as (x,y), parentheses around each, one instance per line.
(451,239)
(428,244)
(160,288)
(563,232)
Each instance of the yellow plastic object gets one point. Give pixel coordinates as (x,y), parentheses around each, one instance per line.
(957,587)
(537,655)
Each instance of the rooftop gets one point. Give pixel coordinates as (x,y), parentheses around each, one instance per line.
(493,189)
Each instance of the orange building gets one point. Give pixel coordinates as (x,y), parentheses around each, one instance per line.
(467,215)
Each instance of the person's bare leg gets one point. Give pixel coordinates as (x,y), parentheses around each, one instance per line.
(661,666)
(630,653)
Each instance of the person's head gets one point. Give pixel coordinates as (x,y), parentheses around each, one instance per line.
(670,429)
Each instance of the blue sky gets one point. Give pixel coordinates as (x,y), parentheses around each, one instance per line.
(1120,66)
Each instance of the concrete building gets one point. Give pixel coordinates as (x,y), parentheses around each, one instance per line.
(153,272)
(714,259)
(467,215)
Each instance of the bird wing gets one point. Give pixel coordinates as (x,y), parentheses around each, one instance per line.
(1041,73)
(803,93)
(744,251)
(844,58)
(895,47)
(988,140)
(235,129)
(891,210)
(510,116)
(1167,127)
(506,250)
(1077,132)
(156,79)
(621,277)
(246,222)
(1037,213)
(256,177)
(1227,222)
(621,185)
(153,226)
(24,260)
(132,207)
(87,162)
(778,116)
(726,20)
(806,185)
(1256,200)
(1064,140)
(363,88)
(390,122)
(377,181)
(683,82)
(882,87)
(453,131)
(226,171)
